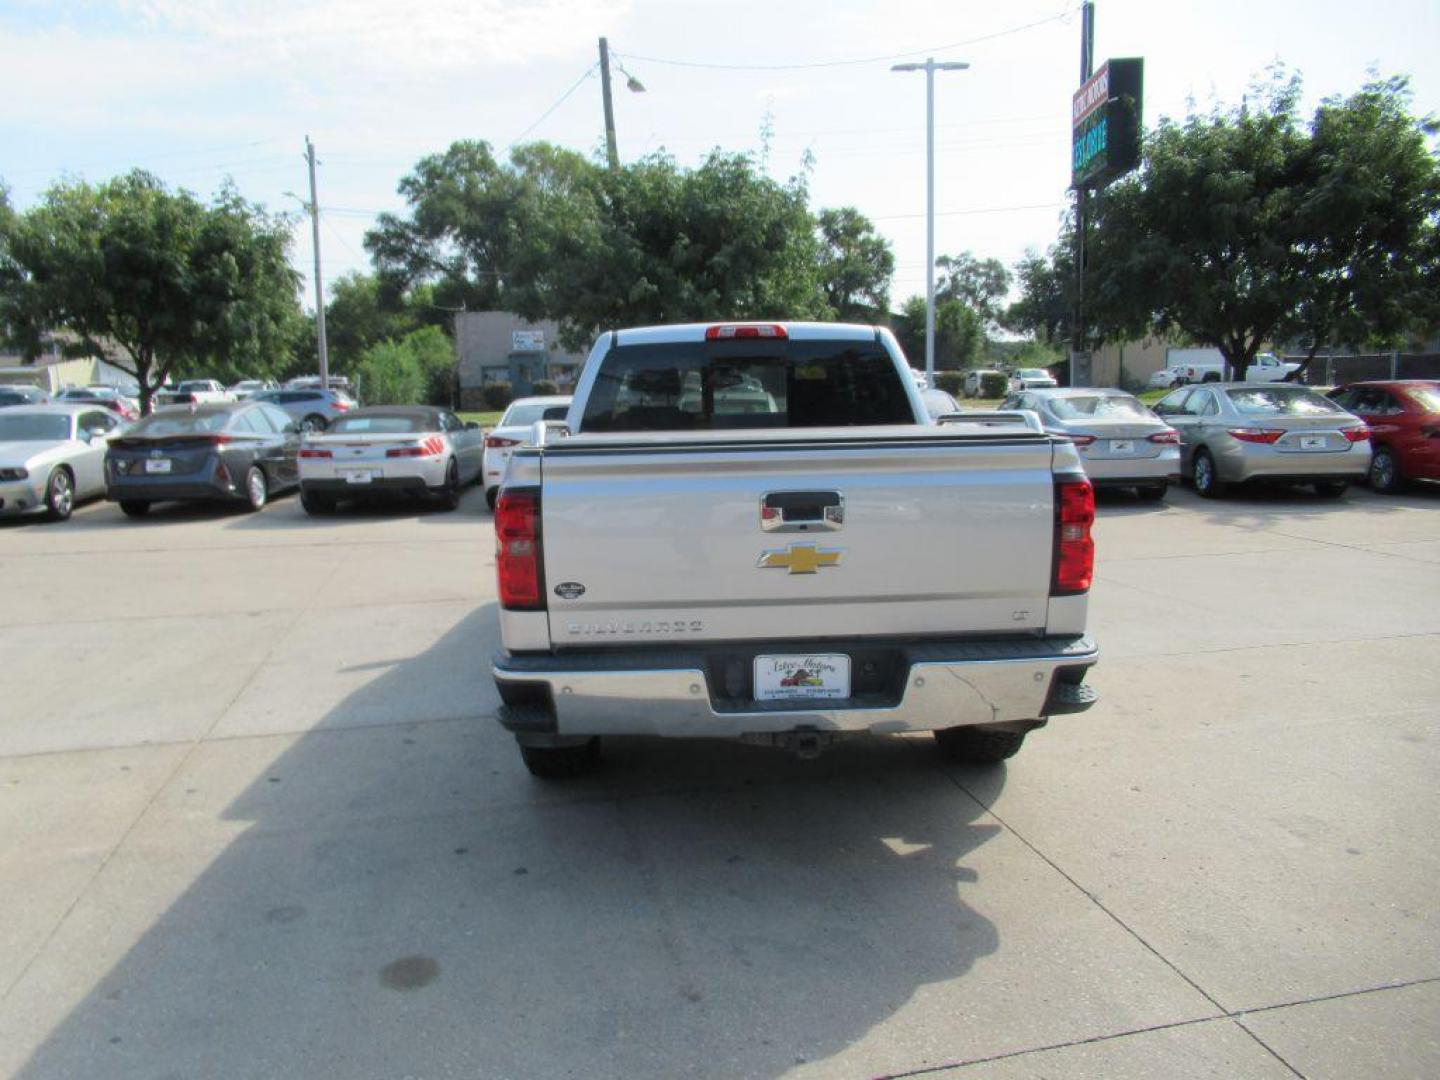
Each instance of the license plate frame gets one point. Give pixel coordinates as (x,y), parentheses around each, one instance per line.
(157,466)
(358,476)
(1122,446)
(1312,442)
(802,677)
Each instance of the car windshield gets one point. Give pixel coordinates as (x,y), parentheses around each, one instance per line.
(1281,401)
(1427,397)
(523,415)
(1099,407)
(195,384)
(382,425)
(159,425)
(33,427)
(1033,373)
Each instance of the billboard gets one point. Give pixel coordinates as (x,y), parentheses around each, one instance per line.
(1105,123)
(527,341)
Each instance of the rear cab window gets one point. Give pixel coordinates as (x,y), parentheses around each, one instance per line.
(737,384)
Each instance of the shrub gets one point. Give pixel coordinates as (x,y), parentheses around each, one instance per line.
(390,375)
(498,395)
(952,382)
(545,387)
(993,384)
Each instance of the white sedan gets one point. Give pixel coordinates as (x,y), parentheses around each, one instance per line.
(52,456)
(388,450)
(513,429)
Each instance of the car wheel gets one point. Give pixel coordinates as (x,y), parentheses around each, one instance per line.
(561,762)
(1385,471)
(316,504)
(313,423)
(60,494)
(1331,489)
(1210,376)
(134,508)
(1152,493)
(1207,485)
(490,496)
(978,745)
(449,496)
(256,489)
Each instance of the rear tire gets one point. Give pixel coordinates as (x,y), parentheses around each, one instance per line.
(490,497)
(1385,474)
(134,508)
(978,745)
(1152,493)
(316,504)
(257,489)
(60,494)
(1207,484)
(449,495)
(1331,489)
(561,762)
(313,423)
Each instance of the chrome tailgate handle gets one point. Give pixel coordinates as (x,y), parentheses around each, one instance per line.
(802,511)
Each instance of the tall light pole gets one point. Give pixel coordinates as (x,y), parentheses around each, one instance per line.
(634,85)
(930,67)
(319,284)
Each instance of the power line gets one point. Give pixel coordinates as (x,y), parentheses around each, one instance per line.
(559,101)
(977,210)
(1062,16)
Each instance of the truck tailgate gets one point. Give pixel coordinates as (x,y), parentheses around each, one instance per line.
(659,538)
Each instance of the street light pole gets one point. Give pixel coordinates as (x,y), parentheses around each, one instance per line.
(634,85)
(319,284)
(930,67)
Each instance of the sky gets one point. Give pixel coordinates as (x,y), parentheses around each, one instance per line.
(198,90)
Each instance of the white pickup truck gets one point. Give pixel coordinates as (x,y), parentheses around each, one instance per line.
(1208,365)
(754,531)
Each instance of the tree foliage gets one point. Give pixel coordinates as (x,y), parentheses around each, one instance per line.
(980,284)
(959,333)
(413,370)
(551,234)
(1251,224)
(181,286)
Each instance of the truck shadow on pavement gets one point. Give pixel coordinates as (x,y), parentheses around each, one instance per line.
(401,899)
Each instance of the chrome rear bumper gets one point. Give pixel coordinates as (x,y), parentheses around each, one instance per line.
(946,684)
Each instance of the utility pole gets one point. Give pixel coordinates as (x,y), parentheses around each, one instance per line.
(319,283)
(611,154)
(930,67)
(1087,68)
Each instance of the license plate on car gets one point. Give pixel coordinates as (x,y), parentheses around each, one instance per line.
(157,465)
(783,678)
(1312,442)
(358,476)
(1122,446)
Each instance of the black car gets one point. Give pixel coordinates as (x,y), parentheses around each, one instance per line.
(235,452)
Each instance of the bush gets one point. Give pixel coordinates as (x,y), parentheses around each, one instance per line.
(952,382)
(545,387)
(390,375)
(994,384)
(498,395)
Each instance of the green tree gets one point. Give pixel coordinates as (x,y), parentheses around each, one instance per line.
(181,286)
(360,314)
(1249,224)
(981,284)
(416,369)
(856,264)
(1046,305)
(959,333)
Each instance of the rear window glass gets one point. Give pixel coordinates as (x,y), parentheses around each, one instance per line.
(707,387)
(1281,401)
(180,423)
(1098,407)
(519,415)
(382,425)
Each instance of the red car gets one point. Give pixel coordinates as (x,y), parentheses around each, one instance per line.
(1404,420)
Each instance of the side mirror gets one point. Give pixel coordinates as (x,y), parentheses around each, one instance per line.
(292,428)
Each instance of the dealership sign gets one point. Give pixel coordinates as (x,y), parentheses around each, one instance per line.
(527,340)
(1105,123)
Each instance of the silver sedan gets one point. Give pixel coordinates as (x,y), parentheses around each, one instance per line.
(52,456)
(1121,442)
(1234,432)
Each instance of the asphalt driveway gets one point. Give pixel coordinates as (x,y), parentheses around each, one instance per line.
(256,820)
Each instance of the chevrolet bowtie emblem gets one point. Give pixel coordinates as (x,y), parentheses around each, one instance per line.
(800,559)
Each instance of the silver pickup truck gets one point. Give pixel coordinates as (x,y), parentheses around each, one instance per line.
(754,531)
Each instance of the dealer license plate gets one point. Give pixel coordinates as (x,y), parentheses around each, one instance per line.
(1312,442)
(157,465)
(357,476)
(783,678)
(1122,446)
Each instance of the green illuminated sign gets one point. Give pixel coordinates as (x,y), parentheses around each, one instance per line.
(1105,118)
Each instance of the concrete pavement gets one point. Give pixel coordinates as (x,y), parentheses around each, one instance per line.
(256,820)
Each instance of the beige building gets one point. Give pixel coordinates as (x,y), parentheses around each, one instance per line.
(497,346)
(1128,364)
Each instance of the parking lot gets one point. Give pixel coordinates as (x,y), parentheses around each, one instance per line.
(256,819)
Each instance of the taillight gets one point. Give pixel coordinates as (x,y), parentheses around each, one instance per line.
(1074,549)
(340,406)
(494,442)
(517,550)
(222,476)
(431,447)
(1165,438)
(1257,434)
(1082,440)
(1356,434)
(727,331)
(314,452)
